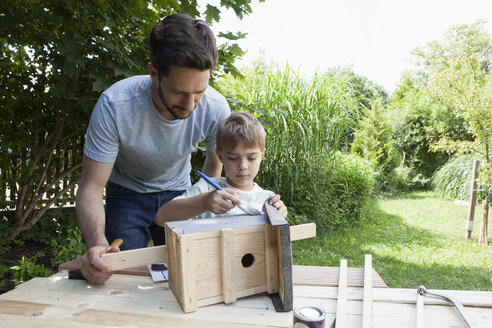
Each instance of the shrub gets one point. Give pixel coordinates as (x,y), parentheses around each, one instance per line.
(453,180)
(27,269)
(404,178)
(338,191)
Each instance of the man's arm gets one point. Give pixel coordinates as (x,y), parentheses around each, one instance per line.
(91,219)
(90,208)
(212,166)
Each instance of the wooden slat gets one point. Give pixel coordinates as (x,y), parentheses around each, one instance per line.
(227,251)
(172,265)
(186,268)
(302,231)
(271,250)
(367,305)
(341,318)
(75,264)
(248,277)
(420,311)
(328,276)
(136,257)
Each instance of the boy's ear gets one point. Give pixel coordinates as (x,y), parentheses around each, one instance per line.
(263,153)
(219,155)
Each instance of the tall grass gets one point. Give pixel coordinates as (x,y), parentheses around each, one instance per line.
(306,122)
(453,180)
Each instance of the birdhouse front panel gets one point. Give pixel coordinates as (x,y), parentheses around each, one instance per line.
(211,266)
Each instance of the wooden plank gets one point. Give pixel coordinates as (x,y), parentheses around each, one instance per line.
(249,256)
(75,264)
(207,256)
(302,231)
(328,276)
(341,318)
(420,311)
(172,268)
(367,304)
(271,267)
(186,269)
(239,294)
(140,295)
(285,268)
(67,316)
(227,251)
(136,257)
(483,232)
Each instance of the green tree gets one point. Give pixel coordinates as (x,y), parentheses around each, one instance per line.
(416,122)
(359,87)
(373,141)
(462,81)
(56,56)
(419,119)
(361,90)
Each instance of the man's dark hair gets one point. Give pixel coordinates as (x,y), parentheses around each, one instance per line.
(179,40)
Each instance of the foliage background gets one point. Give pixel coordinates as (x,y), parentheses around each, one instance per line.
(56,59)
(334,141)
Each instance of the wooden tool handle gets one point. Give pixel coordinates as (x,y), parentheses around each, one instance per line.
(116,243)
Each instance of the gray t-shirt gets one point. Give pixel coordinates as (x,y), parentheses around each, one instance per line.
(150,153)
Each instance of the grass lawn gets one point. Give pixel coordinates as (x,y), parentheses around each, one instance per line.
(415,239)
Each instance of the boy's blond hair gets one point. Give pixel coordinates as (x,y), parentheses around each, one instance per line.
(240,127)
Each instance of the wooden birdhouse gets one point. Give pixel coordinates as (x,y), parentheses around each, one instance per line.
(221,259)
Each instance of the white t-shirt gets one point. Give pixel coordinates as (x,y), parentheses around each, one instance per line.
(255,198)
(150,153)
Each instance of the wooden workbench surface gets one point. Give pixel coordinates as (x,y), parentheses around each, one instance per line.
(135,301)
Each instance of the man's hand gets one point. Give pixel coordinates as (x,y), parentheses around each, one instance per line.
(220,202)
(279,205)
(93,268)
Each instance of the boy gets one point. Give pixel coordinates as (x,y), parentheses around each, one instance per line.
(240,147)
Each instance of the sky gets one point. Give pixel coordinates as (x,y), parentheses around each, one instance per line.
(373,37)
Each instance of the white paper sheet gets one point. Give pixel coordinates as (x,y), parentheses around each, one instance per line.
(158,275)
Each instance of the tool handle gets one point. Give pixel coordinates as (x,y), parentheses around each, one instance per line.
(77,274)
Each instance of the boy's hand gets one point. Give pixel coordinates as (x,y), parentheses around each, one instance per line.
(220,202)
(279,205)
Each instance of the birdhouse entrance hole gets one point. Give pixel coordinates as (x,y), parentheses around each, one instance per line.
(248,260)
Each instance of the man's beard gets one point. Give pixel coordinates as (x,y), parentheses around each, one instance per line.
(171,110)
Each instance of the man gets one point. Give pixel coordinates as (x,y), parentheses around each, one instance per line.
(140,138)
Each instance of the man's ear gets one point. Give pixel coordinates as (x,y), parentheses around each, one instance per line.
(219,155)
(154,75)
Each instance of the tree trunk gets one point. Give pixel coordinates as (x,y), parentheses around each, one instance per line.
(473,200)
(483,235)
